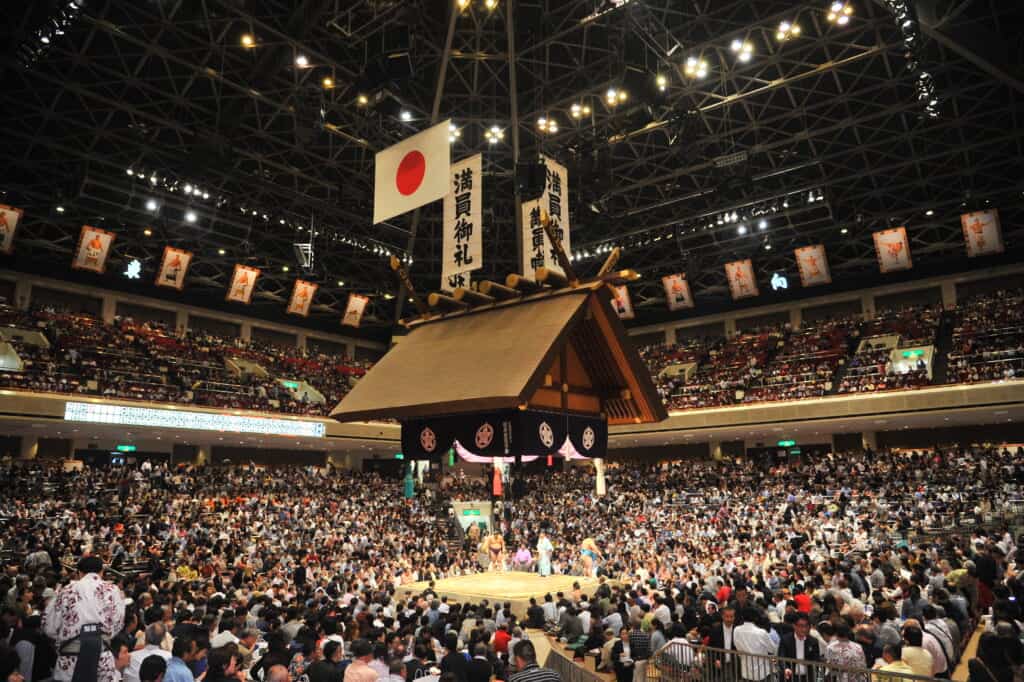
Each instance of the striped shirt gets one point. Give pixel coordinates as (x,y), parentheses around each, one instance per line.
(534,673)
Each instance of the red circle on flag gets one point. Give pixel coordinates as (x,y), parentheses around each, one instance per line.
(410,172)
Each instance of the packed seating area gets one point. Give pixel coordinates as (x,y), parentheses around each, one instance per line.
(988,338)
(871,370)
(278,563)
(149,361)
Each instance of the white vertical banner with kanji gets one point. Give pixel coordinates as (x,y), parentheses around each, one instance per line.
(537,250)
(893,250)
(354,310)
(622,303)
(302,297)
(93,249)
(9,218)
(677,291)
(462,247)
(243,281)
(812,262)
(982,232)
(173,268)
(740,274)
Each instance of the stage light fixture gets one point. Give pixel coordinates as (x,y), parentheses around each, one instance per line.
(341,283)
(767,246)
(302,61)
(547,125)
(662,82)
(743,49)
(741,230)
(190,216)
(843,231)
(787,30)
(188,189)
(248,41)
(405,116)
(60,209)
(762,224)
(463,5)
(840,13)
(148,232)
(284,268)
(362,100)
(328,83)
(929,212)
(696,67)
(130,172)
(151,205)
(491,4)
(494,135)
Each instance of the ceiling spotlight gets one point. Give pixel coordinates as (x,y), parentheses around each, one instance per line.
(405,116)
(767,246)
(462,4)
(742,229)
(130,172)
(840,13)
(623,95)
(151,204)
(696,67)
(248,41)
(662,81)
(206,195)
(328,83)
(220,252)
(302,61)
(188,189)
(929,212)
(547,125)
(190,216)
(762,224)
(341,283)
(148,232)
(843,231)
(284,268)
(494,135)
(362,100)
(744,49)
(490,4)
(60,209)
(612,96)
(787,31)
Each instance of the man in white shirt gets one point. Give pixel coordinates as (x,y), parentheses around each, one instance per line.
(751,639)
(154,636)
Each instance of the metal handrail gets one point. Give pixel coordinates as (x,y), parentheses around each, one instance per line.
(680,661)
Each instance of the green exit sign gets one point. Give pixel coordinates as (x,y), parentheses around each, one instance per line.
(471,512)
(126,448)
(916,353)
(399,455)
(786,443)
(294,385)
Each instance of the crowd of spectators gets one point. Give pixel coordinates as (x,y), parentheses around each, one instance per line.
(988,338)
(884,550)
(150,361)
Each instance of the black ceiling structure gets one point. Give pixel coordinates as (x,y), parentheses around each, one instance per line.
(823,136)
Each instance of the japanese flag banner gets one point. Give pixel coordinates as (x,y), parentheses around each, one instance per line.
(813,265)
(9,218)
(982,232)
(412,173)
(173,268)
(740,274)
(677,291)
(243,281)
(354,310)
(93,249)
(302,297)
(622,303)
(893,250)
(462,246)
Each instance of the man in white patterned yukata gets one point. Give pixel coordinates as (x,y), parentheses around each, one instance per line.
(80,619)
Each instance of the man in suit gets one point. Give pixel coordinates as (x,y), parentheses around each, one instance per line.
(479,669)
(799,645)
(722,638)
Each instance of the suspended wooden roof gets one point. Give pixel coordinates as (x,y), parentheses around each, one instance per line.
(563,349)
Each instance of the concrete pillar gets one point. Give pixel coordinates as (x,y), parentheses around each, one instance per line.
(867,304)
(795,318)
(22,293)
(870,440)
(245,331)
(109,309)
(670,336)
(202,455)
(181,320)
(29,447)
(715,448)
(730,327)
(350,350)
(301,340)
(948,294)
